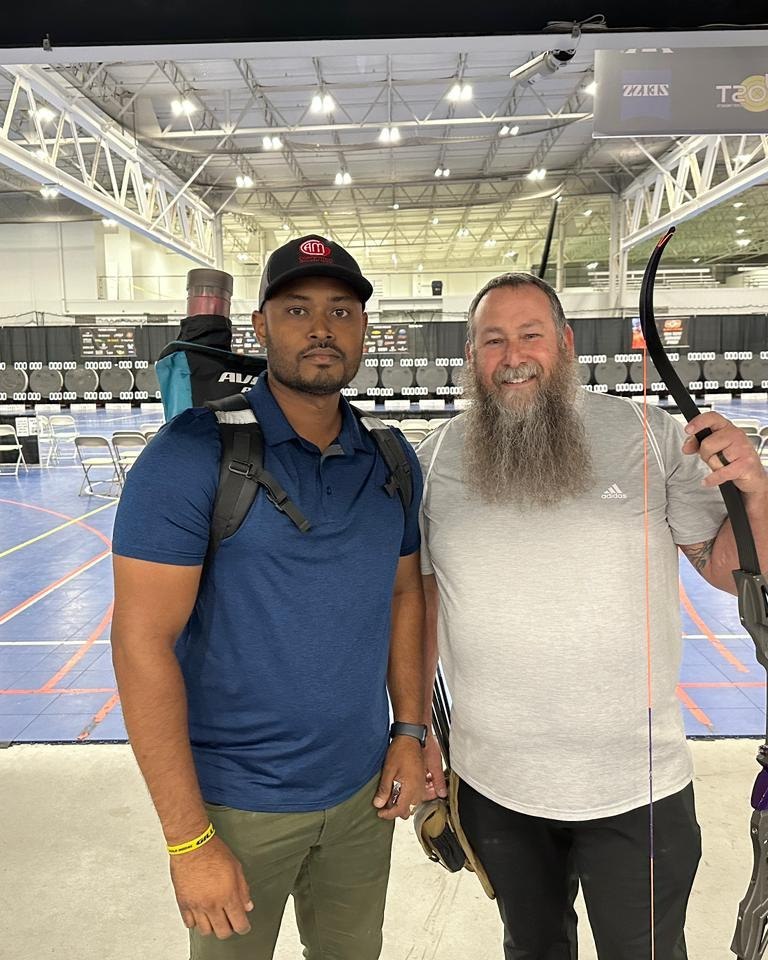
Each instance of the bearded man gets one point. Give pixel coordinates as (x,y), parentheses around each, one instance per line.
(535,517)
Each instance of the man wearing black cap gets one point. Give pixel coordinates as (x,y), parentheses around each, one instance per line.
(255,694)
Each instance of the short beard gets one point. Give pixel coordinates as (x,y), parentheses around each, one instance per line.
(286,369)
(528,451)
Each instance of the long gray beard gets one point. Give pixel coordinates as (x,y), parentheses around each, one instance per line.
(531,453)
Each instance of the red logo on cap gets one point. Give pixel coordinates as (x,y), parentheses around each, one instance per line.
(315,248)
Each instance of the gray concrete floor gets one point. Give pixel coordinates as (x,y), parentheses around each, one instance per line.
(83,874)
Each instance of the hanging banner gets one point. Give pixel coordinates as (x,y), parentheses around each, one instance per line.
(672,330)
(690,91)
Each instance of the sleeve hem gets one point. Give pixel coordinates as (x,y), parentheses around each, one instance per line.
(157,557)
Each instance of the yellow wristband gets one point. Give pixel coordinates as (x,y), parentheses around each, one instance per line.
(195,844)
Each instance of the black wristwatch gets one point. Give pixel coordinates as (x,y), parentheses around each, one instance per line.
(416,730)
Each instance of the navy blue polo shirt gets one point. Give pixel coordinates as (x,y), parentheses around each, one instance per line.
(285,654)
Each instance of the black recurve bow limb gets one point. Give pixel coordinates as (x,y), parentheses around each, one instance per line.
(750,940)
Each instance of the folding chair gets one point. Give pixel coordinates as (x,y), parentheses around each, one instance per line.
(63,430)
(9,441)
(746,423)
(96,453)
(127,445)
(44,433)
(414,436)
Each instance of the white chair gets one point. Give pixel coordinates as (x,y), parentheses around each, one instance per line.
(752,424)
(127,445)
(763,449)
(44,434)
(63,430)
(95,453)
(414,436)
(9,441)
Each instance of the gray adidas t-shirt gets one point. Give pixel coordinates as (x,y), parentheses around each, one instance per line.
(542,619)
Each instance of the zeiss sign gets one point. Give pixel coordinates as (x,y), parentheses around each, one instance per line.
(677,92)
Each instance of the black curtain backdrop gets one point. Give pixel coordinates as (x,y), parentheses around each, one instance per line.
(593,336)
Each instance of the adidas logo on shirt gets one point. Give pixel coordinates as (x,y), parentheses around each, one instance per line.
(613,493)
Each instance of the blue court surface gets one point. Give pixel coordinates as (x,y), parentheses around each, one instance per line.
(56,677)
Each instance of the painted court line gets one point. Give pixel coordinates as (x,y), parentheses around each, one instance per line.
(47,591)
(108,707)
(695,709)
(49,533)
(49,686)
(724,652)
(46,643)
(63,691)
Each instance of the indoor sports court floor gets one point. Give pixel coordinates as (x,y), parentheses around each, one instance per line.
(56,678)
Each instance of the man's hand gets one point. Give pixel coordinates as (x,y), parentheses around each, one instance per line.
(211,890)
(743,464)
(433,769)
(404,764)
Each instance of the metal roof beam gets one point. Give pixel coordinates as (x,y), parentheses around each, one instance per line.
(102,166)
(696,175)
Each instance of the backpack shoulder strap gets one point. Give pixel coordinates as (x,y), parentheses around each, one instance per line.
(241,471)
(400,476)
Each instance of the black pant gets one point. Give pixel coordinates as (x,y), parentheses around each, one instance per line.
(536,864)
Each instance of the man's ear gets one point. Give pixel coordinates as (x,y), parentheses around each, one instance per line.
(259,322)
(569,341)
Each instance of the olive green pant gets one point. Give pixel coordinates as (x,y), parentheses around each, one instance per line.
(335,863)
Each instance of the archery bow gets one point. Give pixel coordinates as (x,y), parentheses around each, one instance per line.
(750,940)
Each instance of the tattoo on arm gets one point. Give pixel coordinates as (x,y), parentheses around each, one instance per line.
(699,553)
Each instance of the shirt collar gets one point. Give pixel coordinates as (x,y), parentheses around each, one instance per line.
(276,428)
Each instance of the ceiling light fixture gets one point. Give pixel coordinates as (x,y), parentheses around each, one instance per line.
(538,173)
(44,114)
(184,106)
(695,259)
(49,192)
(442,171)
(435,221)
(587,213)
(389,135)
(742,242)
(342,179)
(108,222)
(272,143)
(741,217)
(592,266)
(462,232)
(490,243)
(460,92)
(591,88)
(511,254)
(420,267)
(242,257)
(395,206)
(322,103)
(243,182)
(739,204)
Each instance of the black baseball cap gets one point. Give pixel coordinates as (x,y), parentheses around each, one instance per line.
(311,256)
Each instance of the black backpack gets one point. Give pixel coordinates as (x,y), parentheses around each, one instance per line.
(242,472)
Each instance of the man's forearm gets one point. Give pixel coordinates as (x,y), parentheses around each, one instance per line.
(406,657)
(154,705)
(725,557)
(430,650)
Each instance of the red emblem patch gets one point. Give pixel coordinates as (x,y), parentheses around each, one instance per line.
(315,248)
